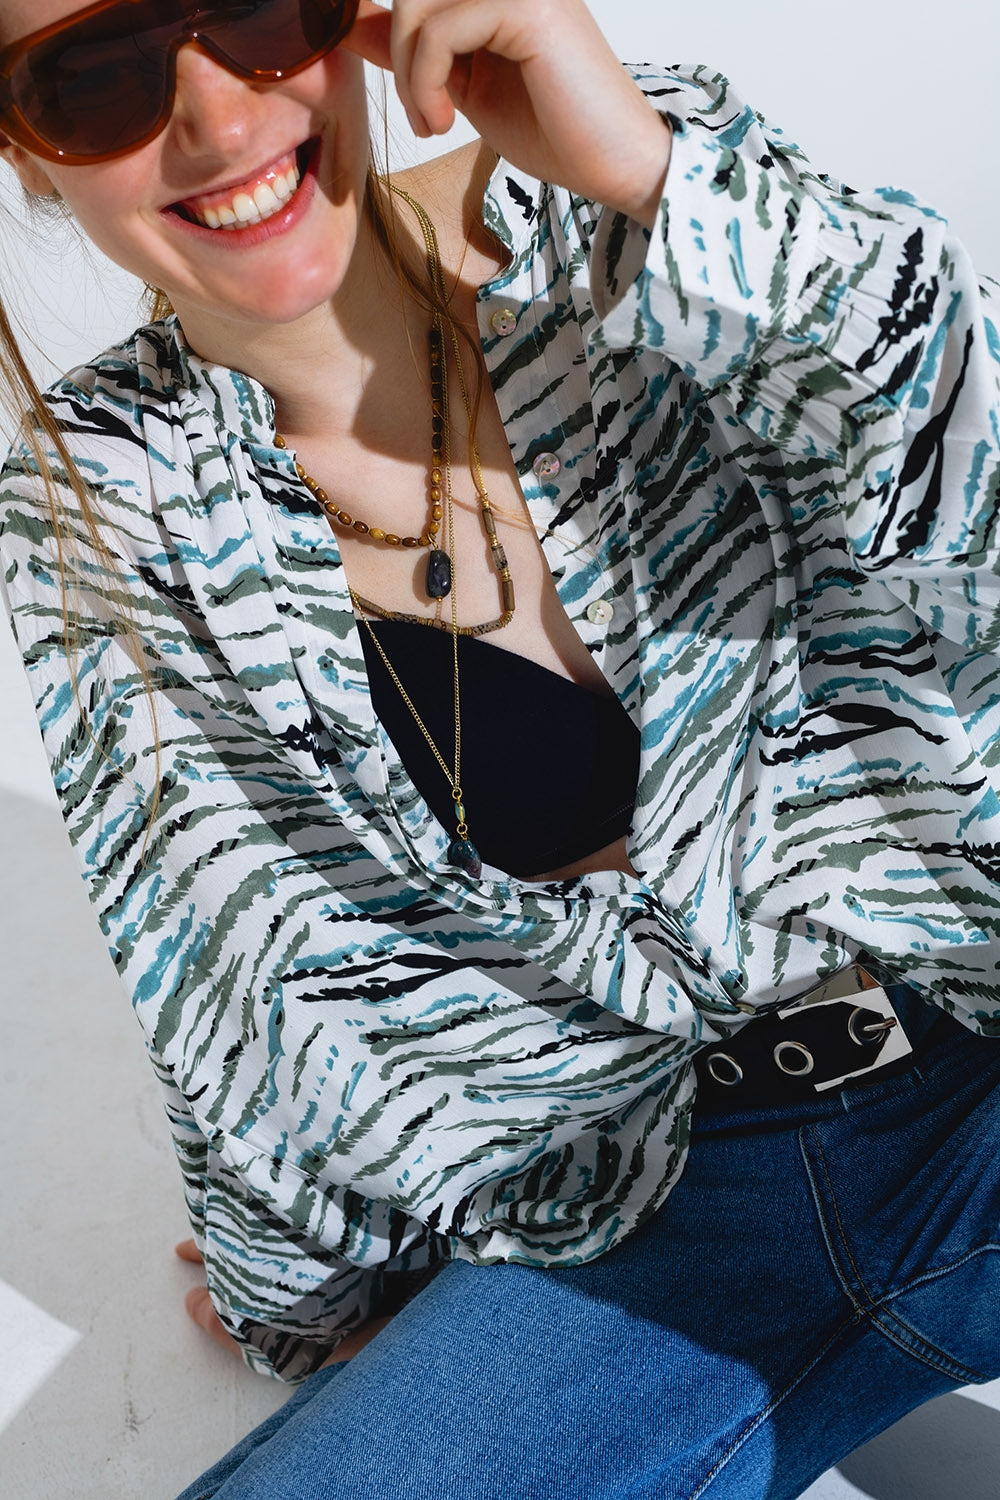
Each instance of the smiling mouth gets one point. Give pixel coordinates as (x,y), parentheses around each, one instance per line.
(252,201)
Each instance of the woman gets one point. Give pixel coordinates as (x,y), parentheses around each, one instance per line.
(428,932)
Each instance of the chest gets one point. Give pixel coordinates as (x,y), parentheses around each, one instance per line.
(388,481)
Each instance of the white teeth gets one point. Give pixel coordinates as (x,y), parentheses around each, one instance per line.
(267,198)
(245,209)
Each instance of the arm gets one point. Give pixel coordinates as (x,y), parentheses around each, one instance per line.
(287,1304)
(843,328)
(296,1261)
(356,1069)
(839,327)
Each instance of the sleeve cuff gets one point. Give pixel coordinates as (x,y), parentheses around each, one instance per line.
(719,272)
(780,285)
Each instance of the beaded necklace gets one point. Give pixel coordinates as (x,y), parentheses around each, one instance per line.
(377,534)
(441,581)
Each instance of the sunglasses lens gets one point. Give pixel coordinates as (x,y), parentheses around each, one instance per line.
(267,37)
(103,84)
(97,86)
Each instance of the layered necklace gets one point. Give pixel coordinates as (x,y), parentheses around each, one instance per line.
(440,582)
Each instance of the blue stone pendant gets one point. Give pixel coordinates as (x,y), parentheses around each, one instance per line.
(463,854)
(438,574)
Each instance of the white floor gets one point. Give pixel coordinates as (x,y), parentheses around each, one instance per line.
(106,1391)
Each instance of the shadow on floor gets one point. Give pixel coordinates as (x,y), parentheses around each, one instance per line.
(948,1449)
(125,1400)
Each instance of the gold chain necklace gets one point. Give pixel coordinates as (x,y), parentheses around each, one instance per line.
(440,568)
(462,853)
(441,582)
(497,553)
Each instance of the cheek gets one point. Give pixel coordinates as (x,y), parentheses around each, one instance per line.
(104,200)
(336,89)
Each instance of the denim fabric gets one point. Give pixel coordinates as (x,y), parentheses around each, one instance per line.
(819,1271)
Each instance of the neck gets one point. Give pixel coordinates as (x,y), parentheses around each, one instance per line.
(321,368)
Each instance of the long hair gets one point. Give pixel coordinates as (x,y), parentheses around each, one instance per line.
(64,487)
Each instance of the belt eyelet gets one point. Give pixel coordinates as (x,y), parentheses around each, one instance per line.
(798,1049)
(876,1029)
(724,1057)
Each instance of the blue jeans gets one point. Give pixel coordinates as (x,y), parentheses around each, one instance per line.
(819,1271)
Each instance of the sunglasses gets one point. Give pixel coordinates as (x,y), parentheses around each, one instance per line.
(102,82)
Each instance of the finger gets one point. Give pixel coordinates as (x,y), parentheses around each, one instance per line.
(188,1250)
(381,37)
(442,50)
(369,36)
(408,17)
(198,1305)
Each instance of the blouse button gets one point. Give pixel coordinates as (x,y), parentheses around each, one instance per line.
(546,466)
(600,612)
(503,322)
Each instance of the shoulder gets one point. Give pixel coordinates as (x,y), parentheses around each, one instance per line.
(145,369)
(146,407)
(102,407)
(89,463)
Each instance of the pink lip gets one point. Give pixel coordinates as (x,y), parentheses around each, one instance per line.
(255,234)
(216,195)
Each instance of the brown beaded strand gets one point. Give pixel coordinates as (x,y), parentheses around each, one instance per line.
(427,538)
(439,569)
(497,551)
(345,519)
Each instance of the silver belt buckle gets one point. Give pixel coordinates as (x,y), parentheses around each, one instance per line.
(844,986)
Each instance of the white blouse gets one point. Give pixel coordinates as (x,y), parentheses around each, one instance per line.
(761,449)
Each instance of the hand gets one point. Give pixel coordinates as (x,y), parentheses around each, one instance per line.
(199,1308)
(536,79)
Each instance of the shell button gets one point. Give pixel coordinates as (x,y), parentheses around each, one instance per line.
(601,612)
(546,466)
(503,322)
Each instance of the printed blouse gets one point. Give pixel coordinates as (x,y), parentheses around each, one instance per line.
(760,446)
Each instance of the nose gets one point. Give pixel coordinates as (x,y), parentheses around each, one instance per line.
(214,110)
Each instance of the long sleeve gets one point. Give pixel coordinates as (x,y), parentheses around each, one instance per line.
(847,330)
(285,1299)
(362,1081)
(292,1264)
(762,439)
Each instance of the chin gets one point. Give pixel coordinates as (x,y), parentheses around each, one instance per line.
(285,306)
(270,296)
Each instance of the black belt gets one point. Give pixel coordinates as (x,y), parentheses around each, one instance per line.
(850,1032)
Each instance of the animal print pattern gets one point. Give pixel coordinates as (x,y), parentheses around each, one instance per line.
(776,420)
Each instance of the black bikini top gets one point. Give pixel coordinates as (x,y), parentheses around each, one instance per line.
(549,768)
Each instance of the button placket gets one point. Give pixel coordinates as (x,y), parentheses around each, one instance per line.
(600,612)
(546,466)
(503,322)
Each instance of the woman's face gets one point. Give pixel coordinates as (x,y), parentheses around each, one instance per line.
(294,152)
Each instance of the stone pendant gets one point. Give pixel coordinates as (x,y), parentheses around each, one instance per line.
(438,574)
(463,854)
